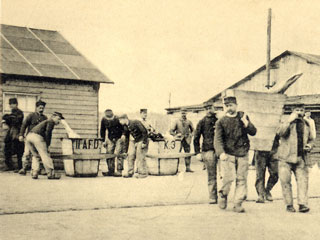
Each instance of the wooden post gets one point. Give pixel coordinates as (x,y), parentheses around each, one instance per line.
(268,48)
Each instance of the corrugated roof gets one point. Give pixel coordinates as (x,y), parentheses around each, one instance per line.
(37,52)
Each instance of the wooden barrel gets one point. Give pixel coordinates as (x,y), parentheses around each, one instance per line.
(80,165)
(163,165)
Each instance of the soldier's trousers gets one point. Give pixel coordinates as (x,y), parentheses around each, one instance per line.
(186,147)
(264,160)
(11,148)
(235,168)
(39,149)
(115,147)
(137,154)
(210,161)
(301,173)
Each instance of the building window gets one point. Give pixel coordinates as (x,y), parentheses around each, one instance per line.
(26,102)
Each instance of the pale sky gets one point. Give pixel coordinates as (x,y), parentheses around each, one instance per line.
(191,48)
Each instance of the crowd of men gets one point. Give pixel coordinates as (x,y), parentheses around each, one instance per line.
(225,144)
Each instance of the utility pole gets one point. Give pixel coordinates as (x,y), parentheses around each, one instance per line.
(268,48)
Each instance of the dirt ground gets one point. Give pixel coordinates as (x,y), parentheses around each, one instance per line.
(168,207)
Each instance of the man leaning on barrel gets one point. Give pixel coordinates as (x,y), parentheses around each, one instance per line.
(38,141)
(138,146)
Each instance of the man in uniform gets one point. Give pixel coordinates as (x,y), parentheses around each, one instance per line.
(28,124)
(113,134)
(38,141)
(264,160)
(138,146)
(12,144)
(145,122)
(205,128)
(183,128)
(232,144)
(296,141)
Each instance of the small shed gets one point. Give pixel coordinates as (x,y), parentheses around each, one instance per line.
(41,64)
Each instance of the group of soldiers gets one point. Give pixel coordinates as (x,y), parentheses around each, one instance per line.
(30,137)
(225,143)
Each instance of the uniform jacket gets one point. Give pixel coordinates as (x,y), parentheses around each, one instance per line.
(288,147)
(205,128)
(115,129)
(44,129)
(184,127)
(14,121)
(231,136)
(32,120)
(138,131)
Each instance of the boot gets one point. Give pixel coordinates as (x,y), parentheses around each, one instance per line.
(141,176)
(303,208)
(127,175)
(213,201)
(52,175)
(269,197)
(222,200)
(290,208)
(238,208)
(22,171)
(118,174)
(260,199)
(34,174)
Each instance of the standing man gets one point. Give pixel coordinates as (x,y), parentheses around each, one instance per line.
(113,135)
(232,144)
(205,128)
(264,160)
(296,141)
(183,129)
(12,145)
(145,122)
(28,124)
(138,146)
(38,141)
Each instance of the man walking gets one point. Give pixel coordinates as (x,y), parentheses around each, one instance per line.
(205,128)
(296,141)
(232,144)
(28,124)
(113,134)
(38,141)
(138,146)
(264,160)
(183,128)
(12,145)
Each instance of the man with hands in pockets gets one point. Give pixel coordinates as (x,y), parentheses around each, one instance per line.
(232,144)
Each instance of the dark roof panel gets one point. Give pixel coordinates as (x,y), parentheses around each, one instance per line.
(29,44)
(89,73)
(20,68)
(55,71)
(61,47)
(47,52)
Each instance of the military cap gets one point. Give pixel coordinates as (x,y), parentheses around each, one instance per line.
(123,116)
(58,114)
(231,99)
(13,101)
(297,105)
(40,103)
(143,110)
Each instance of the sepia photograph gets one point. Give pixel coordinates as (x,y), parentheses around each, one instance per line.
(160,119)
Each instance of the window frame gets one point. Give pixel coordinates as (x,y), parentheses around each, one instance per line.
(16,94)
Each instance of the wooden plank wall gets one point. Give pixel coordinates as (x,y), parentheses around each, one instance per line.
(76,100)
(315,154)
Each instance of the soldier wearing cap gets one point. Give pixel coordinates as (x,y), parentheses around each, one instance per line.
(28,124)
(38,141)
(114,137)
(183,128)
(138,146)
(205,128)
(145,122)
(296,141)
(232,144)
(12,144)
